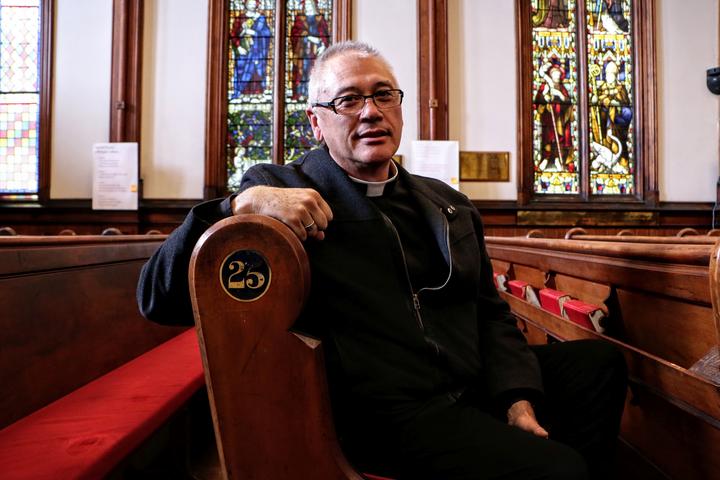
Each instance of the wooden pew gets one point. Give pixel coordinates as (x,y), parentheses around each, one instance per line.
(82,371)
(249,278)
(660,313)
(581,234)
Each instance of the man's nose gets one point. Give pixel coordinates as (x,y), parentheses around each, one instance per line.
(370,110)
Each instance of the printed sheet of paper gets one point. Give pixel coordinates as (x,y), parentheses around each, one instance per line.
(115,176)
(436,159)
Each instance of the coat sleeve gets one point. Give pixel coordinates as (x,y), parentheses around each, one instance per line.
(163,292)
(509,363)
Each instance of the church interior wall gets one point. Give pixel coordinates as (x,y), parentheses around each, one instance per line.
(81,93)
(482,79)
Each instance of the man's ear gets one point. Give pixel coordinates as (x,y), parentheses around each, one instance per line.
(317,131)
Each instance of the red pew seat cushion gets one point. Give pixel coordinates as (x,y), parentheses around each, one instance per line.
(86,433)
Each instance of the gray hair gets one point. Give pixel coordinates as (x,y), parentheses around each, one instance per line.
(350,47)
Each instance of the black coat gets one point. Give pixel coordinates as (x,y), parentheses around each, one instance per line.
(384,356)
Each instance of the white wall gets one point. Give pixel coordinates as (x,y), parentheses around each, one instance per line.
(483,90)
(81,93)
(173,98)
(688,139)
(483,93)
(394,33)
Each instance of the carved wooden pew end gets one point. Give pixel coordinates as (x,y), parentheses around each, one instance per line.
(249,278)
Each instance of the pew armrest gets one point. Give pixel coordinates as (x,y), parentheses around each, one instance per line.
(249,278)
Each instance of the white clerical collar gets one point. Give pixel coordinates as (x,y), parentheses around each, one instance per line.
(376,189)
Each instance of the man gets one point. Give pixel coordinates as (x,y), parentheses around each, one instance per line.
(430,377)
(555,110)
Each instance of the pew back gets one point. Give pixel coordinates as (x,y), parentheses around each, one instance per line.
(661,302)
(659,294)
(69,315)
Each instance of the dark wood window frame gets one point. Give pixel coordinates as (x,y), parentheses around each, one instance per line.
(645,102)
(45,98)
(433,95)
(216,108)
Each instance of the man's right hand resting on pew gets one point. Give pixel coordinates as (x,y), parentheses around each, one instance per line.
(303,210)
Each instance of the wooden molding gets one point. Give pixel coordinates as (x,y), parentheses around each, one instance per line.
(126,83)
(646,101)
(524,103)
(216,101)
(342,20)
(433,96)
(47,16)
(278,131)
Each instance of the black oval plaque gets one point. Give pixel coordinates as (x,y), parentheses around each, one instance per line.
(245,275)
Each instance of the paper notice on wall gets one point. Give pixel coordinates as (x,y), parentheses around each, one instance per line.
(115,176)
(436,159)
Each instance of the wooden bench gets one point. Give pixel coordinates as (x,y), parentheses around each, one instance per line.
(580,234)
(85,378)
(249,278)
(661,307)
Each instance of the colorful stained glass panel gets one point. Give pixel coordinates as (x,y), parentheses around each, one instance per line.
(19,96)
(555,94)
(610,94)
(308,26)
(250,86)
(19,143)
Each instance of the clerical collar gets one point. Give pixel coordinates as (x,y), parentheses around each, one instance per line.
(376,189)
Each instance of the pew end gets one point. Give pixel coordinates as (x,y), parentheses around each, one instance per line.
(249,278)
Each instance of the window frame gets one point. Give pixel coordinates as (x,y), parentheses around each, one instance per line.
(645,91)
(44,108)
(216,97)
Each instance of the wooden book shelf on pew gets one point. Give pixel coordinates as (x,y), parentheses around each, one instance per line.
(661,304)
(85,379)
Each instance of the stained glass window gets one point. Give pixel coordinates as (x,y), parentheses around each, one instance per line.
(251,71)
(308,34)
(610,81)
(555,87)
(250,85)
(19,96)
(602,161)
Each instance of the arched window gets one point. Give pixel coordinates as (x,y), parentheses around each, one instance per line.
(24,29)
(586,134)
(260,75)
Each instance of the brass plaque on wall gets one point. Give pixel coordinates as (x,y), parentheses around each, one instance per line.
(484,166)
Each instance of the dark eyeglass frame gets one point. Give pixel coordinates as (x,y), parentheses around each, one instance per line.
(331,104)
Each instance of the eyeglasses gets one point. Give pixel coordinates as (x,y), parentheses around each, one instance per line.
(352,104)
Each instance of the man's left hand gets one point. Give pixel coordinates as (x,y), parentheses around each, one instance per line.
(521,415)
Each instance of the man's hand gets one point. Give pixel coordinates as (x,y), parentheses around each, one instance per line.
(297,208)
(521,415)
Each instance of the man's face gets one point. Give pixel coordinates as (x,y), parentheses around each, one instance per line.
(363,143)
(555,76)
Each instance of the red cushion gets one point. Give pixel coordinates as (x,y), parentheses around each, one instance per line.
(86,433)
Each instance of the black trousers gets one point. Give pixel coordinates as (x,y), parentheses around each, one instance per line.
(585,385)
